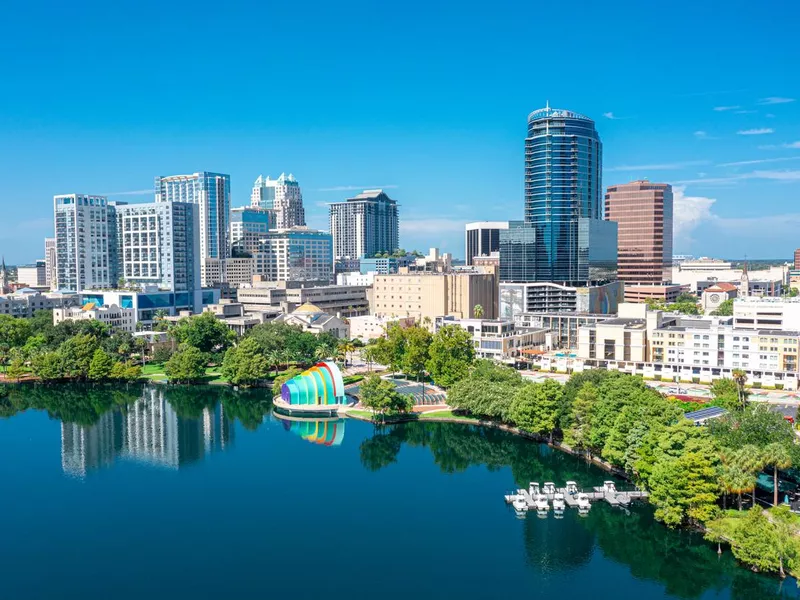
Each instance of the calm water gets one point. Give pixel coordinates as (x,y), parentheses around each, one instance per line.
(197,493)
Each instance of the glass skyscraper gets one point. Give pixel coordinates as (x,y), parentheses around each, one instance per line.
(564,201)
(212,192)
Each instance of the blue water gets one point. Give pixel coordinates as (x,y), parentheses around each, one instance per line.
(197,493)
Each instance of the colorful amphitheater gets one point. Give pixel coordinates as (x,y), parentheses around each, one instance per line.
(324,433)
(320,386)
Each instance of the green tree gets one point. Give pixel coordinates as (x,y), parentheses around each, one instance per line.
(726,393)
(725,309)
(757,542)
(204,332)
(451,354)
(579,433)
(786,532)
(684,489)
(477,311)
(686,297)
(777,456)
(536,406)
(101,365)
(390,349)
(687,308)
(740,377)
(14,332)
(16,369)
(49,366)
(245,364)
(187,365)
(416,354)
(381,396)
(77,353)
(161,354)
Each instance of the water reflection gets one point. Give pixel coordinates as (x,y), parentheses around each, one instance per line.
(326,432)
(150,430)
(681,561)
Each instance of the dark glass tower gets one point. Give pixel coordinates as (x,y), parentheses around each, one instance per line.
(564,201)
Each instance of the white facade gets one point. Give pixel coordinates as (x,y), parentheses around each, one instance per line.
(121,319)
(25,303)
(498,339)
(282,195)
(33,275)
(482,238)
(767,313)
(50,261)
(355,278)
(159,244)
(85,249)
(234,271)
(371,327)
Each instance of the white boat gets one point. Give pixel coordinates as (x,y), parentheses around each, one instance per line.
(609,487)
(583,502)
(541,503)
(572,488)
(549,488)
(558,503)
(519,504)
(533,488)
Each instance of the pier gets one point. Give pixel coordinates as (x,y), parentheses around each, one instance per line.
(574,497)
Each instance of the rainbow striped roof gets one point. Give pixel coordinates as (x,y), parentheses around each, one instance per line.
(320,385)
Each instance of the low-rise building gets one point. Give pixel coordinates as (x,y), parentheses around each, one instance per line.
(356,278)
(498,339)
(341,300)
(713,296)
(120,319)
(314,320)
(431,295)
(549,297)
(665,292)
(767,313)
(26,302)
(562,327)
(231,271)
(234,316)
(371,327)
(34,275)
(148,304)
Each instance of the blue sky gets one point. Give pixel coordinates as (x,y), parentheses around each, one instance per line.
(427,99)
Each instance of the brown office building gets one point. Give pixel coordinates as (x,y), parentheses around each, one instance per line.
(797,260)
(643,213)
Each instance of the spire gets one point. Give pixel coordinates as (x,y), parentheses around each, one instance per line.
(744,282)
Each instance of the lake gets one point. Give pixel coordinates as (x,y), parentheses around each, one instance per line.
(157,492)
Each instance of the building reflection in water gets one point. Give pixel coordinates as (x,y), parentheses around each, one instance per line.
(149,431)
(326,432)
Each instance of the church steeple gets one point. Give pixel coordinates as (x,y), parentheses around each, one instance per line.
(744,282)
(3,276)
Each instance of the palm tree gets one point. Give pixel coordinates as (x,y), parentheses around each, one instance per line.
(736,481)
(740,377)
(273,360)
(777,456)
(347,348)
(478,311)
(750,460)
(322,352)
(368,354)
(288,356)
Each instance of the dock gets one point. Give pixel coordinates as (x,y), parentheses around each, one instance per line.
(604,493)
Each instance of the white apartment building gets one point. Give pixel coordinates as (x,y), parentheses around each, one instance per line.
(364,225)
(355,278)
(25,302)
(211,192)
(766,313)
(296,254)
(159,245)
(121,319)
(85,244)
(283,195)
(233,271)
(50,261)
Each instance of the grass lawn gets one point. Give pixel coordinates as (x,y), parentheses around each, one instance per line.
(444,414)
(155,372)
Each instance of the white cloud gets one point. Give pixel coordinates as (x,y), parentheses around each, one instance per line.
(351,188)
(658,166)
(758,161)
(745,112)
(610,115)
(688,212)
(785,175)
(767,147)
(701,135)
(724,108)
(775,100)
(792,145)
(760,131)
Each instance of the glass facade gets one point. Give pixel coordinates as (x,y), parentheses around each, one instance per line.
(563,164)
(517,247)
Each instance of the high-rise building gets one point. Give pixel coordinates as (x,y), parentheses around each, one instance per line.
(797,260)
(49,261)
(34,275)
(212,193)
(364,225)
(643,213)
(248,226)
(282,195)
(483,238)
(159,244)
(517,250)
(297,254)
(85,250)
(563,199)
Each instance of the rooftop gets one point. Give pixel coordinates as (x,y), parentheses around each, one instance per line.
(549,113)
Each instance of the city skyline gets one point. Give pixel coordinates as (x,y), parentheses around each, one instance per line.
(723,127)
